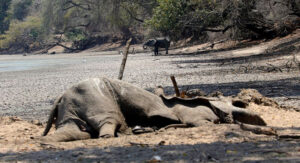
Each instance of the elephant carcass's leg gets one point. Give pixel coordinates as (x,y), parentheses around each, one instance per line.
(106,123)
(229,113)
(195,116)
(67,132)
(248,117)
(108,130)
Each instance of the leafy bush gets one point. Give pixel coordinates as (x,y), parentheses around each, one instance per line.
(4,6)
(23,34)
(20,9)
(167,15)
(179,18)
(75,35)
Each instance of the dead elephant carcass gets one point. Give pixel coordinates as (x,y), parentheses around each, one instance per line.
(102,107)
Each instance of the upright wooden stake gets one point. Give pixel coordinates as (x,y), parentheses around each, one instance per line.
(124,59)
(175,86)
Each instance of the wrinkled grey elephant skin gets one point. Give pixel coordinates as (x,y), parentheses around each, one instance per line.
(158,43)
(102,107)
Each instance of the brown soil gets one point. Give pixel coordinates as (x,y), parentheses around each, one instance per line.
(213,142)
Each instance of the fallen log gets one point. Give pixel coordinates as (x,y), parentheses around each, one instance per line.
(289,137)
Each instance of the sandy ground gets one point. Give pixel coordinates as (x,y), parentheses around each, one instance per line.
(270,67)
(215,143)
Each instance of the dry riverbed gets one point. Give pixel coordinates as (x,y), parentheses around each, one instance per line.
(270,67)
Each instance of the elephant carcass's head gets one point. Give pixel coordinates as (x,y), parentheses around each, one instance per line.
(150,42)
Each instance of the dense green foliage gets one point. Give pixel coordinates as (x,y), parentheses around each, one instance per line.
(4,6)
(167,15)
(180,18)
(24,23)
(20,9)
(23,34)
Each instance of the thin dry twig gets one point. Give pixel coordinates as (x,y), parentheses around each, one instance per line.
(258,129)
(274,68)
(176,126)
(175,86)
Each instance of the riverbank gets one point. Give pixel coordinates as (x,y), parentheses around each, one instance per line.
(30,93)
(270,67)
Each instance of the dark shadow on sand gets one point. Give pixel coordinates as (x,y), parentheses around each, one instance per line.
(262,151)
(271,88)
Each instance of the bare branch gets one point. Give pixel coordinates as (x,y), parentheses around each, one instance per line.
(77,5)
(131,15)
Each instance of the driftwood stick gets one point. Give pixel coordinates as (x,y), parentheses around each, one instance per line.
(289,136)
(146,144)
(139,144)
(175,86)
(274,68)
(124,59)
(258,129)
(176,126)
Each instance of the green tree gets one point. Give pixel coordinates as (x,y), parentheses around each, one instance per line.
(20,9)
(23,34)
(179,18)
(4,6)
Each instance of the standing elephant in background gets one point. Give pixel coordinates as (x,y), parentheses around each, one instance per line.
(158,43)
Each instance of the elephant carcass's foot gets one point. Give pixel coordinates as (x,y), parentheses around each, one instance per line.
(66,136)
(108,130)
(68,132)
(248,117)
(46,139)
